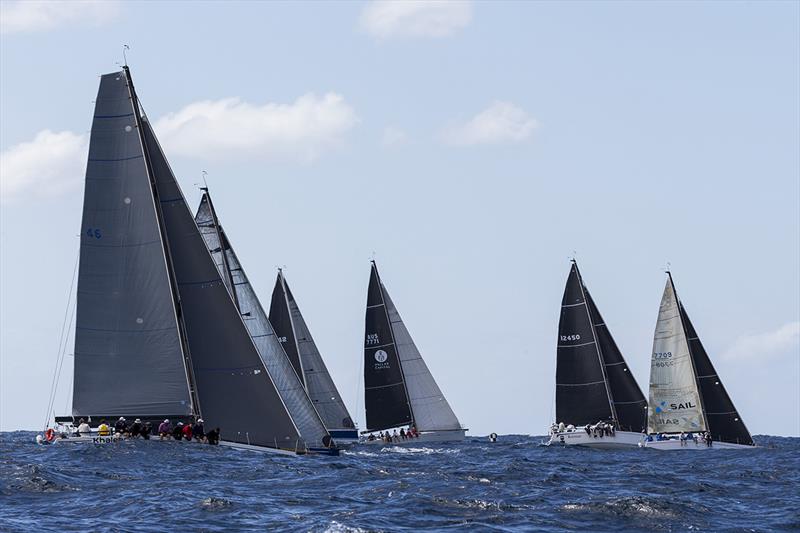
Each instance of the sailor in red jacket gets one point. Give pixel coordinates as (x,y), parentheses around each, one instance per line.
(187,432)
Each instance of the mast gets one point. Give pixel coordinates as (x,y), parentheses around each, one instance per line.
(597,346)
(691,354)
(302,371)
(222,247)
(176,300)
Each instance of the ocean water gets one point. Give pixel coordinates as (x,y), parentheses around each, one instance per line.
(511,485)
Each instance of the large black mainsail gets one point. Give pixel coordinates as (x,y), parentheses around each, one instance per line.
(723,420)
(399,387)
(293,332)
(386,399)
(158,332)
(129,358)
(289,386)
(593,382)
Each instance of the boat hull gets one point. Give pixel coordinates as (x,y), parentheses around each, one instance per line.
(579,437)
(89,439)
(344,437)
(690,444)
(456,435)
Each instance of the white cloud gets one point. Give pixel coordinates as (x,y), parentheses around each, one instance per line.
(766,345)
(393,136)
(50,164)
(230,127)
(415,18)
(501,122)
(38,15)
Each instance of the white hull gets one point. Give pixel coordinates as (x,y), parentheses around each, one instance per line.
(252,448)
(455,435)
(691,445)
(88,439)
(579,437)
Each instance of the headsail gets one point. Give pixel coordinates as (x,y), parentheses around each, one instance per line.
(582,393)
(386,399)
(290,388)
(235,392)
(675,403)
(630,405)
(430,408)
(292,331)
(128,353)
(723,419)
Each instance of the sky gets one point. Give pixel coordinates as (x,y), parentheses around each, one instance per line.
(471,148)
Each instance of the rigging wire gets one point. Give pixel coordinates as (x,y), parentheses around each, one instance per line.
(62,343)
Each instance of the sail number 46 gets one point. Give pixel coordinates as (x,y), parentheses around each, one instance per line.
(93,233)
(575,337)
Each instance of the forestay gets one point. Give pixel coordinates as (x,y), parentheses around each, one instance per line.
(675,404)
(319,384)
(128,355)
(272,354)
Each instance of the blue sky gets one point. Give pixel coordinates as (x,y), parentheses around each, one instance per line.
(472,147)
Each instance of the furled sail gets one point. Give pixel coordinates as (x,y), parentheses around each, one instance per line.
(723,419)
(675,404)
(290,388)
(128,354)
(293,332)
(386,399)
(629,403)
(582,393)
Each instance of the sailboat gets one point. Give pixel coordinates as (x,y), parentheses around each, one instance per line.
(688,402)
(399,390)
(598,402)
(293,333)
(291,389)
(158,335)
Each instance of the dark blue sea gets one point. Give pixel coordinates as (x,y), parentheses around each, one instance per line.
(512,485)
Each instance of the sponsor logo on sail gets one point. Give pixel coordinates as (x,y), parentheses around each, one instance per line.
(381,360)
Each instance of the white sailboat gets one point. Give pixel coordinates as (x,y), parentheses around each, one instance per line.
(400,392)
(689,407)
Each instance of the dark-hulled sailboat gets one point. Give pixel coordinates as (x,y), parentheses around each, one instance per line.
(688,402)
(399,389)
(598,402)
(289,387)
(157,334)
(296,339)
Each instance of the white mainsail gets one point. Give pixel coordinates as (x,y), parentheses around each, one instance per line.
(674,397)
(429,406)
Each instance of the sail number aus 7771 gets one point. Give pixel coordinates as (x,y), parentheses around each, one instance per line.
(575,337)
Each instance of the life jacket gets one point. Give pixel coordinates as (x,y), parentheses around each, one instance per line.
(103,430)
